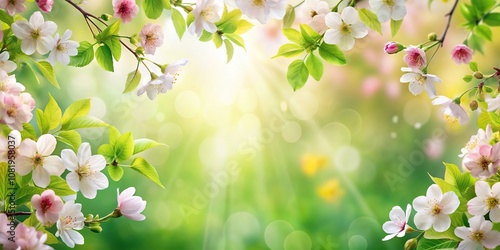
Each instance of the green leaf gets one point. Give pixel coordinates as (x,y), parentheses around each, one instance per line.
(115,46)
(179,23)
(47,72)
(60,186)
(492,19)
(115,172)
(206,36)
(229,50)
(133,79)
(124,147)
(332,54)
(51,239)
(144,144)
(24,194)
(75,110)
(110,31)
(70,138)
(310,36)
(5,184)
(460,180)
(315,66)
(24,180)
(484,32)
(6,18)
(243,26)
(142,166)
(290,50)
(84,122)
(229,21)
(483,5)
(475,42)
(107,151)
(297,74)
(449,234)
(473,66)
(293,36)
(428,244)
(370,19)
(189,19)
(104,57)
(114,134)
(153,8)
(395,25)
(467,78)
(28,132)
(85,55)
(236,39)
(289,16)
(31,221)
(217,40)
(53,113)
(42,122)
(167,5)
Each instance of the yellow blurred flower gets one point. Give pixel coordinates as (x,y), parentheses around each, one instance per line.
(331,191)
(311,164)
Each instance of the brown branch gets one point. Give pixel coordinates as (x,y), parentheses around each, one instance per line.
(449,15)
(17,213)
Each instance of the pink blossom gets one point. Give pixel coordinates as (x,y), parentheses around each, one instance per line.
(393,47)
(29,238)
(48,206)
(45,5)
(126,10)
(483,160)
(131,206)
(461,54)
(13,6)
(151,37)
(16,110)
(415,58)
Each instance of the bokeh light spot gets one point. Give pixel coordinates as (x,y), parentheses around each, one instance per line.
(347,159)
(276,233)
(303,105)
(291,132)
(187,104)
(357,242)
(298,240)
(416,111)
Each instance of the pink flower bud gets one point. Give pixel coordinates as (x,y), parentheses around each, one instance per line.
(393,47)
(415,58)
(461,54)
(131,206)
(45,5)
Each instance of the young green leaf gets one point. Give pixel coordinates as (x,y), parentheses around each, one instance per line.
(144,144)
(231,17)
(484,32)
(332,54)
(179,23)
(109,32)
(142,166)
(217,40)
(167,5)
(6,18)
(53,113)
(236,39)
(75,110)
(28,132)
(4,181)
(104,57)
(370,19)
(435,244)
(289,16)
(115,46)
(153,8)
(85,55)
(473,66)
(23,195)
(315,66)
(42,122)
(243,26)
(293,36)
(395,25)
(60,186)
(114,134)
(107,151)
(297,74)
(84,122)
(133,79)
(124,147)
(310,36)
(229,50)
(206,36)
(467,78)
(290,50)
(492,19)
(70,138)
(47,72)
(115,172)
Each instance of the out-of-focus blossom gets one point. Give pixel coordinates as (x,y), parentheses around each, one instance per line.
(313,14)
(461,54)
(393,47)
(418,82)
(434,148)
(9,84)
(35,35)
(386,10)
(175,68)
(478,236)
(126,10)
(370,86)
(16,109)
(28,238)
(13,6)
(483,161)
(160,84)
(451,109)
(398,224)
(131,206)
(493,103)
(63,49)
(344,28)
(262,10)
(415,58)
(331,191)
(45,5)
(434,209)
(5,64)
(48,206)
(482,137)
(312,163)
(206,14)
(151,37)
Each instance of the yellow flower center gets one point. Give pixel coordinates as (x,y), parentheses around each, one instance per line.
(345,29)
(208,14)
(477,236)
(35,34)
(37,160)
(436,209)
(389,2)
(84,171)
(484,162)
(492,202)
(313,13)
(259,3)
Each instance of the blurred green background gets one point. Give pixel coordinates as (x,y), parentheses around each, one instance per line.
(250,164)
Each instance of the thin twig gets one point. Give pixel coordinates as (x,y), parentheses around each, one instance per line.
(449,15)
(17,213)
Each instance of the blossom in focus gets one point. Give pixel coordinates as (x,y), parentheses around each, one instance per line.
(415,58)
(487,200)
(483,161)
(151,37)
(482,137)
(37,156)
(331,191)
(126,10)
(419,82)
(311,164)
(9,84)
(493,103)
(461,54)
(63,49)
(71,219)
(344,28)
(13,6)
(129,205)
(398,224)
(174,69)
(313,13)
(160,84)
(29,238)
(478,236)
(451,109)
(386,10)
(16,109)
(4,145)
(433,210)
(48,206)
(85,170)
(206,14)
(5,64)
(262,10)
(35,35)
(45,5)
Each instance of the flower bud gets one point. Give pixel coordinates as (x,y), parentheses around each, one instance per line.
(96,229)
(139,50)
(411,244)
(393,47)
(45,5)
(473,105)
(478,75)
(89,217)
(106,17)
(432,36)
